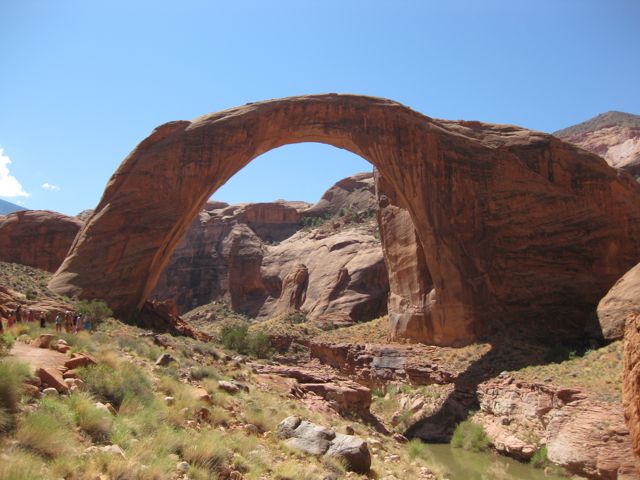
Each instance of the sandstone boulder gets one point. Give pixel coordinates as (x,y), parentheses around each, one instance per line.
(52,378)
(38,238)
(619,303)
(631,379)
(317,440)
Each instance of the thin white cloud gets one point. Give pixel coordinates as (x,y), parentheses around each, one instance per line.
(48,186)
(9,185)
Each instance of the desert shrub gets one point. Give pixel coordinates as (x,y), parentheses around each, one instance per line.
(208,450)
(6,342)
(539,459)
(96,309)
(91,420)
(32,294)
(12,375)
(259,345)
(296,318)
(416,449)
(204,371)
(20,465)
(234,337)
(470,436)
(44,433)
(128,381)
(237,337)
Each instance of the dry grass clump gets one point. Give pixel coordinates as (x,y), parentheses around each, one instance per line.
(45,433)
(21,465)
(128,381)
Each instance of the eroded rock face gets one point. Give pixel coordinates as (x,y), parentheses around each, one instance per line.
(615,136)
(339,278)
(410,282)
(517,227)
(354,193)
(631,379)
(38,238)
(585,436)
(619,303)
(232,253)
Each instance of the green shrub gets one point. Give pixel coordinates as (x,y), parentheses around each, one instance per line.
(128,381)
(6,342)
(12,375)
(234,337)
(470,436)
(259,345)
(96,309)
(539,459)
(416,449)
(93,421)
(237,337)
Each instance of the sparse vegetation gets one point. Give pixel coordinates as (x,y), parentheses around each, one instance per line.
(96,309)
(238,338)
(470,436)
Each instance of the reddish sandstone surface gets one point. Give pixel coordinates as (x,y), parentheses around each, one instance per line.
(38,238)
(615,136)
(517,227)
(631,379)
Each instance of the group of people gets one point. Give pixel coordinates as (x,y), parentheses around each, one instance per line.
(20,315)
(72,322)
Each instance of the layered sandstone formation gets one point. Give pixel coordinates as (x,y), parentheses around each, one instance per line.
(615,136)
(631,379)
(587,437)
(221,254)
(516,227)
(38,238)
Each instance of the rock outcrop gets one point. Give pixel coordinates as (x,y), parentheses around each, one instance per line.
(354,193)
(317,440)
(38,238)
(619,303)
(615,136)
(251,256)
(631,379)
(585,436)
(518,228)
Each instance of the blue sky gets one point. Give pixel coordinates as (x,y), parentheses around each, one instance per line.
(82,82)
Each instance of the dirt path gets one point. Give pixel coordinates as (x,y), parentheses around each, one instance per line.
(37,357)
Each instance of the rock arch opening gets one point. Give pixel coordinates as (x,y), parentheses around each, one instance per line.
(318,221)
(514,226)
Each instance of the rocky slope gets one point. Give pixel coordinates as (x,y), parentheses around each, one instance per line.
(615,136)
(38,238)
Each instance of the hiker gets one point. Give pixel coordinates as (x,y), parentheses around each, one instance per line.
(43,321)
(87,323)
(58,323)
(1,326)
(12,320)
(18,314)
(67,322)
(31,317)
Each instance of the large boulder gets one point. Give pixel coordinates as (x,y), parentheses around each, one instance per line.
(619,303)
(317,440)
(38,238)
(518,228)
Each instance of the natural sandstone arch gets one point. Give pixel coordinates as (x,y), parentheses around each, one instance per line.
(514,225)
